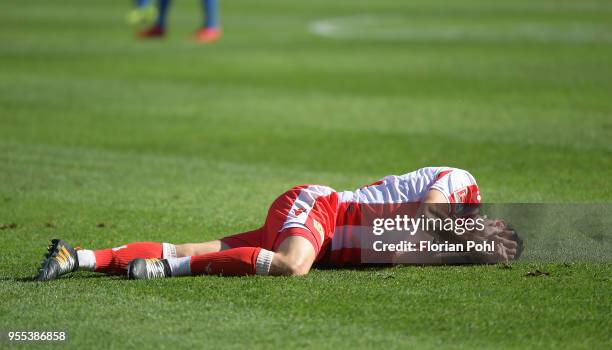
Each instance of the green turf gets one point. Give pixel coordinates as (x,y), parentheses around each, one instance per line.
(105,140)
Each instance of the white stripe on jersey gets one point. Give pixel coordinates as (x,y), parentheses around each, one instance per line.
(304,203)
(407,188)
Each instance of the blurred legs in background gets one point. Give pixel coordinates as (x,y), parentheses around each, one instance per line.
(142,3)
(163,7)
(143,12)
(158,30)
(209,32)
(211,14)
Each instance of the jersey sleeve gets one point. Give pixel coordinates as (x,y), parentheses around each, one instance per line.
(458,186)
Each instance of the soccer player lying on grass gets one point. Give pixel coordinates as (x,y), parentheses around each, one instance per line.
(307,225)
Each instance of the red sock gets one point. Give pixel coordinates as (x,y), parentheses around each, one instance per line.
(232,262)
(114,261)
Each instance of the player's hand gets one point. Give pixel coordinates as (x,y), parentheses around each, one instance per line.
(497,231)
(501,254)
(492,227)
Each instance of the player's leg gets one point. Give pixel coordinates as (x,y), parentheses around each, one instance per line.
(191,249)
(163,7)
(62,258)
(289,246)
(211,15)
(211,30)
(243,239)
(114,261)
(159,28)
(294,256)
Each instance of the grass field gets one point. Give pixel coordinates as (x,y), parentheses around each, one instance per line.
(105,140)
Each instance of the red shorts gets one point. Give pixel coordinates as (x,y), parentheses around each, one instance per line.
(307,211)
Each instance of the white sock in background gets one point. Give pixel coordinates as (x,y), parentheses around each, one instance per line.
(87,259)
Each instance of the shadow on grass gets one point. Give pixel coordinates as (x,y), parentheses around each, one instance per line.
(384,269)
(377,267)
(75,277)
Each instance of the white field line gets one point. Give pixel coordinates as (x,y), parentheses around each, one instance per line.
(393,27)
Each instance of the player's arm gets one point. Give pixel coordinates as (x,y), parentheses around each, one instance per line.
(435,205)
